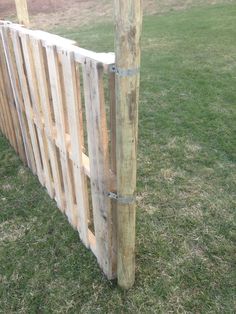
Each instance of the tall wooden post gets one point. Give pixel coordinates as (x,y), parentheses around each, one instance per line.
(128,22)
(22,12)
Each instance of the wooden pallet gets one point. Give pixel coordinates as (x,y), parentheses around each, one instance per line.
(58,116)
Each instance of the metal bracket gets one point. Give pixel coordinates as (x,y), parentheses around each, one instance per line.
(124,72)
(121,199)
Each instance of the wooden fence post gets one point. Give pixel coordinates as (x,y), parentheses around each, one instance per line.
(128,24)
(22,12)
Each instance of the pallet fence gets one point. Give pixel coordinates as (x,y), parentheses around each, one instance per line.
(42,77)
(71,115)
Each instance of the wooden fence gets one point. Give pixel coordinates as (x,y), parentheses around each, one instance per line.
(57,109)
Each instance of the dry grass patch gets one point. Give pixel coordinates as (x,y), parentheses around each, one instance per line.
(12,230)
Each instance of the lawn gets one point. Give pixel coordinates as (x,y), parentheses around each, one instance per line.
(186,226)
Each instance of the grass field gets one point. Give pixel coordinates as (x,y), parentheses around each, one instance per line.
(186,227)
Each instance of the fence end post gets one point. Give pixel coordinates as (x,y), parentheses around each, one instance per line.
(128,24)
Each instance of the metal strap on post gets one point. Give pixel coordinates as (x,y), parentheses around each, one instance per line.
(125,199)
(124,72)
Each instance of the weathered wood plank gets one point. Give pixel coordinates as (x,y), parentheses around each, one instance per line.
(19,145)
(27,102)
(5,91)
(5,111)
(99,164)
(14,79)
(60,123)
(73,102)
(41,64)
(37,109)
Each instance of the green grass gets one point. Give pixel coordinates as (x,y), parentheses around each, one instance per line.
(186,230)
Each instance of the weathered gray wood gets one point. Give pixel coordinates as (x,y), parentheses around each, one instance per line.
(99,164)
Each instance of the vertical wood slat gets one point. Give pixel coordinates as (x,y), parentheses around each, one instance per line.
(19,145)
(44,92)
(37,110)
(99,163)
(27,102)
(60,123)
(6,110)
(14,79)
(76,132)
(4,113)
(2,118)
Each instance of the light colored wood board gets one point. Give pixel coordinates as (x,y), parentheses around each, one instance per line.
(14,79)
(32,108)
(5,99)
(3,110)
(76,135)
(86,165)
(40,62)
(45,37)
(60,123)
(2,125)
(10,58)
(41,65)
(2,122)
(5,120)
(37,109)
(27,101)
(81,54)
(30,75)
(79,89)
(43,142)
(92,242)
(19,145)
(99,164)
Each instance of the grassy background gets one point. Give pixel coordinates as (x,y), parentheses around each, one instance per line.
(186,229)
